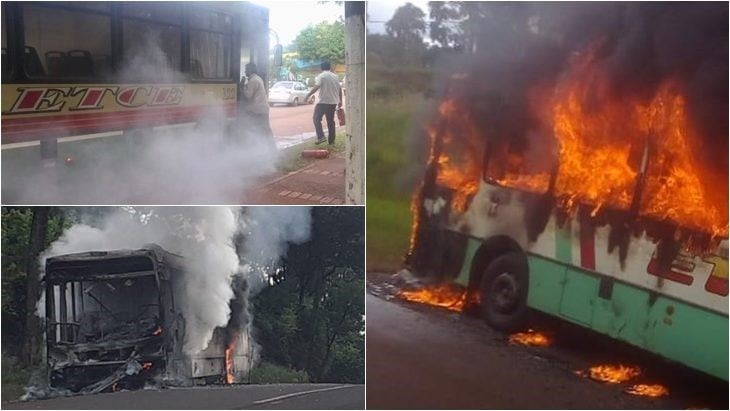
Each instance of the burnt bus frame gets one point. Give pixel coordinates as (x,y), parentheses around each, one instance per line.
(164,270)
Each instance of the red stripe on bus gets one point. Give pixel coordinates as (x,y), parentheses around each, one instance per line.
(99,122)
(587,246)
(717,285)
(654,269)
(61,117)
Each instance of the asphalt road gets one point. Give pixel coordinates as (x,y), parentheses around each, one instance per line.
(279,396)
(422,357)
(289,121)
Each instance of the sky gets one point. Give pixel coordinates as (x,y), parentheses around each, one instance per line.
(288,18)
(380,11)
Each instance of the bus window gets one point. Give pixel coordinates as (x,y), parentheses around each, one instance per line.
(210,55)
(58,43)
(525,167)
(210,44)
(6,56)
(151,40)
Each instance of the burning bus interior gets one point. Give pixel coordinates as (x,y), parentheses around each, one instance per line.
(112,324)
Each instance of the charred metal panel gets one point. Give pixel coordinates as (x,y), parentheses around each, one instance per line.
(112,321)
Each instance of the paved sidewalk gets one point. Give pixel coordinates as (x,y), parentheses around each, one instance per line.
(320,183)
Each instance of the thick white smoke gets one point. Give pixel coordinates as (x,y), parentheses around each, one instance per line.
(268,231)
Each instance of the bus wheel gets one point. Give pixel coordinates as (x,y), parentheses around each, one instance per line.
(503,292)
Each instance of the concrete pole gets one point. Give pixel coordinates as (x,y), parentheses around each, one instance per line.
(355,102)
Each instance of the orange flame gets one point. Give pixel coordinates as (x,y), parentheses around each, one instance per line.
(230,376)
(611,374)
(648,390)
(624,152)
(530,338)
(445,295)
(146,365)
(158,331)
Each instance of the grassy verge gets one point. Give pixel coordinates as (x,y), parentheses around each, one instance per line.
(267,373)
(14,379)
(291,158)
(389,123)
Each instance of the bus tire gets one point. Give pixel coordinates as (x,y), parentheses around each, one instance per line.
(503,292)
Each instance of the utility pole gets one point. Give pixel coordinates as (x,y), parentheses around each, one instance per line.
(355,99)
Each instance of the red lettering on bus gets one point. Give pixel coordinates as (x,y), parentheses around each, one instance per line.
(39,99)
(167,96)
(127,95)
(91,98)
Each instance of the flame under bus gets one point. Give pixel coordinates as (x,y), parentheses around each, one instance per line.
(113,321)
(595,258)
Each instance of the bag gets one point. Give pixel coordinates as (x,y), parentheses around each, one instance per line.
(341,116)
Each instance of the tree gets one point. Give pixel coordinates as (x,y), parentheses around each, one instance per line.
(38,231)
(26,232)
(324,41)
(444,26)
(408,26)
(311,319)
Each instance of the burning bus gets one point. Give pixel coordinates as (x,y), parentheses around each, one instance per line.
(113,321)
(585,201)
(147,64)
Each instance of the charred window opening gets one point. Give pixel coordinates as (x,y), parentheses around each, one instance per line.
(530,168)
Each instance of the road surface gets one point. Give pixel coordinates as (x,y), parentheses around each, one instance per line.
(274,396)
(292,125)
(422,357)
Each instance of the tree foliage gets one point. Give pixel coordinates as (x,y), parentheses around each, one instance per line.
(324,41)
(16,233)
(407,25)
(312,318)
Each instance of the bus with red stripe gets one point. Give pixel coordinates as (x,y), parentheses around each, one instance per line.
(75,68)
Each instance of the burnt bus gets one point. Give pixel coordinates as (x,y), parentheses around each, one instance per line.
(113,321)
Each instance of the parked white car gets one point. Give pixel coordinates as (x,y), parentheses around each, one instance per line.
(289,92)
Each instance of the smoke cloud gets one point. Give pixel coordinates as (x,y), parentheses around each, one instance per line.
(517,48)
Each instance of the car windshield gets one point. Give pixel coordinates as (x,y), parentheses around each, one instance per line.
(283,85)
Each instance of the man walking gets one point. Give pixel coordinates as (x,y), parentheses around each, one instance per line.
(330,99)
(256,107)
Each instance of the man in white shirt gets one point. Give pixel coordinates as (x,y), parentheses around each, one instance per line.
(256,103)
(330,99)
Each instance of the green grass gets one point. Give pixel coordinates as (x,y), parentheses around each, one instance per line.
(267,373)
(389,124)
(291,158)
(389,228)
(14,379)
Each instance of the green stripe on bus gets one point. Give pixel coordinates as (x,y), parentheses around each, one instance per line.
(682,332)
(563,246)
(472,245)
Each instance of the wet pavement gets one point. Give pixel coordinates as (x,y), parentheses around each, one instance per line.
(424,357)
(322,182)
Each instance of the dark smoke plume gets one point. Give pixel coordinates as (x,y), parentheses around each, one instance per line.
(517,47)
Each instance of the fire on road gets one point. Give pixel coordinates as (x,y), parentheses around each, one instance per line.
(427,357)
